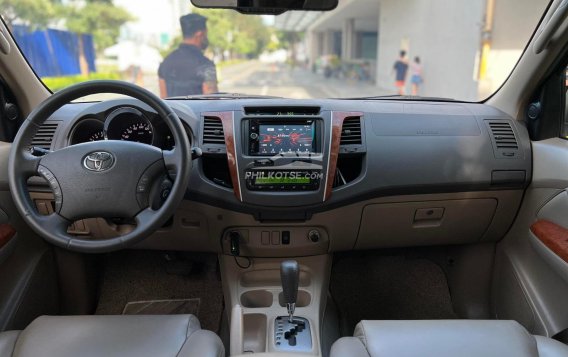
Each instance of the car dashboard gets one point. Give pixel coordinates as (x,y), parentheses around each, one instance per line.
(300,177)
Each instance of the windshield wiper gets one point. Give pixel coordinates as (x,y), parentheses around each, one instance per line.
(406,97)
(222,95)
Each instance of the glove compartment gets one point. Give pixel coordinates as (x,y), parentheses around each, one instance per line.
(425,223)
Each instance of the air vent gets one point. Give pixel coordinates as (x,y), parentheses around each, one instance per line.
(282,110)
(213,131)
(503,135)
(351,131)
(44,136)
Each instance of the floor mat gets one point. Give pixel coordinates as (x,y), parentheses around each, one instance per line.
(150,276)
(163,307)
(368,286)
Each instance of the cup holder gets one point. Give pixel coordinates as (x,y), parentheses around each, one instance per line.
(256,299)
(304,298)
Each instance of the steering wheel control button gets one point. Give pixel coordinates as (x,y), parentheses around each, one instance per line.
(144,185)
(98,161)
(54,185)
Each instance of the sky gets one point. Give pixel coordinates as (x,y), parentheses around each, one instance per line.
(157,22)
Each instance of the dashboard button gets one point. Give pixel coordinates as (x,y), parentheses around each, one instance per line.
(265,237)
(314,235)
(286,237)
(263,162)
(275,238)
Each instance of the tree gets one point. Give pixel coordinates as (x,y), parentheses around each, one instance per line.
(33,13)
(289,40)
(101,18)
(239,34)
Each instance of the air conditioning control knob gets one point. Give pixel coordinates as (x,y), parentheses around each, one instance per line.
(314,235)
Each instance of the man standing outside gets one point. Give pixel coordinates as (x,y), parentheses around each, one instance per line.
(401,68)
(186,70)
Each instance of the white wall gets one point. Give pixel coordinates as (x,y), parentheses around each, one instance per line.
(445,34)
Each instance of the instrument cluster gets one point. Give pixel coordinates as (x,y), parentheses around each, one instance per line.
(123,123)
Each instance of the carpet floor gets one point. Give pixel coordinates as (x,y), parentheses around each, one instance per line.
(148,282)
(369,286)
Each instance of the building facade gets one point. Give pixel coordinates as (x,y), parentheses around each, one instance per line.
(467,47)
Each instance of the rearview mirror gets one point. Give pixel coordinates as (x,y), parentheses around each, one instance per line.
(268,7)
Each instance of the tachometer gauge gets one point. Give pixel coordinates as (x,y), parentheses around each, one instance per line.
(87,129)
(99,135)
(139,132)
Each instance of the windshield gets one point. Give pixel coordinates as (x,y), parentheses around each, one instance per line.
(460,49)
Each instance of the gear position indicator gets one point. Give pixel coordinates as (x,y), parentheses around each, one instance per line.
(292,336)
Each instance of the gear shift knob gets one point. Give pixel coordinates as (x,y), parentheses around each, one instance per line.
(290,275)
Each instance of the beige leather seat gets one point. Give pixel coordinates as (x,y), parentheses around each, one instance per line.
(445,338)
(125,336)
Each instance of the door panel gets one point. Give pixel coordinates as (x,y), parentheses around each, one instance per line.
(550,240)
(28,279)
(531,280)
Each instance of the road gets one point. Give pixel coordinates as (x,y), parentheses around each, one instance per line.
(255,77)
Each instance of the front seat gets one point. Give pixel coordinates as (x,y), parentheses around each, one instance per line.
(120,335)
(445,338)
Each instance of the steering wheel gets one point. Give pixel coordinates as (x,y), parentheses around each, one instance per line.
(111,178)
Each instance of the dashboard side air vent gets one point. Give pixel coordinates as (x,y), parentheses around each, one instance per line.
(44,136)
(213,131)
(503,138)
(351,131)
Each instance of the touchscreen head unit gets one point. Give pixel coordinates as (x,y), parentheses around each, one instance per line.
(268,138)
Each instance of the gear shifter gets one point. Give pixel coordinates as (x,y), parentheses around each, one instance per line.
(290,275)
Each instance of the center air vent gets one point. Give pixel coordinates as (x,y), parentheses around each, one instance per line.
(351,131)
(213,131)
(503,137)
(44,136)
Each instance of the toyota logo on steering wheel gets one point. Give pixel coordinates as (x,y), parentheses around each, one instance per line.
(98,161)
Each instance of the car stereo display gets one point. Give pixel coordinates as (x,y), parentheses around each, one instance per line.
(280,138)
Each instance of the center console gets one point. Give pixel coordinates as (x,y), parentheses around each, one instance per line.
(282,157)
(278,161)
(258,300)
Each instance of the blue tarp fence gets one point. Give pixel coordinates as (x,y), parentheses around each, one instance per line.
(54,53)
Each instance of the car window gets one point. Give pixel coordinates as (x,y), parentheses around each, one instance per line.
(461,49)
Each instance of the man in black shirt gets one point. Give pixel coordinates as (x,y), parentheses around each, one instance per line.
(186,70)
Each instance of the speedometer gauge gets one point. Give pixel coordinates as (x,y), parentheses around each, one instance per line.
(139,132)
(129,124)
